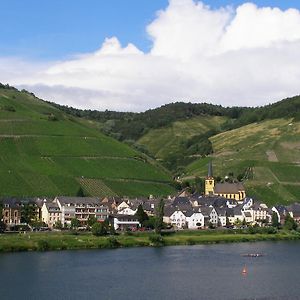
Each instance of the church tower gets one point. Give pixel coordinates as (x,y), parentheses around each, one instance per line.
(209,181)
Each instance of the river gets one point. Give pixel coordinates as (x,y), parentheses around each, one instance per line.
(179,272)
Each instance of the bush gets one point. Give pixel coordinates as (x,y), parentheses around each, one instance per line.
(52,117)
(43,245)
(98,229)
(113,242)
(156,240)
(9,108)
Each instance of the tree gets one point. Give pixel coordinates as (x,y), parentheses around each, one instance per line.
(290,223)
(2,226)
(200,185)
(80,192)
(58,225)
(150,223)
(275,221)
(141,215)
(91,221)
(28,213)
(99,229)
(75,223)
(159,216)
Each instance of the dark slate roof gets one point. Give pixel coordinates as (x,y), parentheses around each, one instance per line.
(228,188)
(181,201)
(221,211)
(205,210)
(169,210)
(79,200)
(189,212)
(256,206)
(52,207)
(215,201)
(11,202)
(295,209)
(231,212)
(40,201)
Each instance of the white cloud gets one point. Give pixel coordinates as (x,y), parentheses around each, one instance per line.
(243,56)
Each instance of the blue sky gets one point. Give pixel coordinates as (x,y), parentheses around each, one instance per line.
(63,51)
(56,29)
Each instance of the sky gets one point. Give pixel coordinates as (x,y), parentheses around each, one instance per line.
(131,55)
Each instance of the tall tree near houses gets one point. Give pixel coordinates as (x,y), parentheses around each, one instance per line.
(159,216)
(141,215)
(275,221)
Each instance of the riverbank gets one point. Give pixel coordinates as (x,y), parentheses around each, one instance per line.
(36,241)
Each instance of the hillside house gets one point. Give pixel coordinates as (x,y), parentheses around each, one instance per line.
(11,212)
(81,208)
(195,219)
(51,213)
(126,222)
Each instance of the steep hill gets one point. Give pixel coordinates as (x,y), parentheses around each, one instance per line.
(178,139)
(267,154)
(45,152)
(260,144)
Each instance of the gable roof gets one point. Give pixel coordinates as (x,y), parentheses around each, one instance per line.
(79,200)
(228,188)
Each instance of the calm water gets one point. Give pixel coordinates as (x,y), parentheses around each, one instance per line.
(184,272)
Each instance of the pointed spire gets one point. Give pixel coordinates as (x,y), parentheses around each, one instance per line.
(210,170)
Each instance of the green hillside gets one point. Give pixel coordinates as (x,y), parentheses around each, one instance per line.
(45,152)
(267,154)
(168,140)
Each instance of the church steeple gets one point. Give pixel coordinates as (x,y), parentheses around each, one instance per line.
(209,181)
(210,170)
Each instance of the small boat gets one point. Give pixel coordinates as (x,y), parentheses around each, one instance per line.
(244,271)
(253,255)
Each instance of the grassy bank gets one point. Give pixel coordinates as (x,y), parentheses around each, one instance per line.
(69,241)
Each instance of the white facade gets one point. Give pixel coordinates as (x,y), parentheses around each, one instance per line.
(195,221)
(127,211)
(222,220)
(178,219)
(50,214)
(120,223)
(213,217)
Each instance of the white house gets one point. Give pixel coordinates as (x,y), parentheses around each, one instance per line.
(123,222)
(195,220)
(178,219)
(127,211)
(51,213)
(81,208)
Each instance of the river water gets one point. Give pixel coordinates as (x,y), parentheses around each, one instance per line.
(179,272)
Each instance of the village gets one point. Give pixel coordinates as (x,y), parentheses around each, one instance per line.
(223,205)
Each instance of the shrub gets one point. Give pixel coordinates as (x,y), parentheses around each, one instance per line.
(9,108)
(98,229)
(156,240)
(112,242)
(43,245)
(52,117)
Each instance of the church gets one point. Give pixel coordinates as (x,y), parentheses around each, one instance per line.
(227,190)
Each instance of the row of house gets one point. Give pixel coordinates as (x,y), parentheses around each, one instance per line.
(183,211)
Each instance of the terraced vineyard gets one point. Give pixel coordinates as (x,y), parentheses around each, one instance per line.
(164,141)
(271,149)
(44,152)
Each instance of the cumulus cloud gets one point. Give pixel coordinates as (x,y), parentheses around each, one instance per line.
(231,56)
